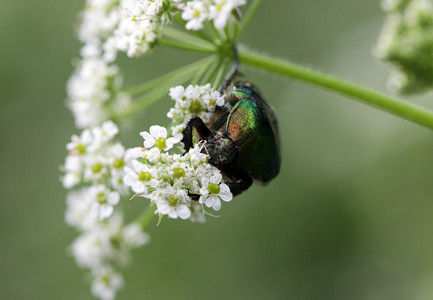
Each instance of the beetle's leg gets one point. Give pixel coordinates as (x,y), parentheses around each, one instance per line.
(200,126)
(240,181)
(194,197)
(233,72)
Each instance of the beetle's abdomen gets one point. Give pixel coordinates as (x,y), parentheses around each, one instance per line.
(249,126)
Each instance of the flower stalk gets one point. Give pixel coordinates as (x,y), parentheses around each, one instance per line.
(354,91)
(146,217)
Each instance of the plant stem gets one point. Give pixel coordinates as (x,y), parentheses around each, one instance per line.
(159,87)
(182,40)
(146,217)
(359,93)
(174,75)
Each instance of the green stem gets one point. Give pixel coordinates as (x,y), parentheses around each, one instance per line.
(182,40)
(159,87)
(359,93)
(185,46)
(146,217)
(172,76)
(219,77)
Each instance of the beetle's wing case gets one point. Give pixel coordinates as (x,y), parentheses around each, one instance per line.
(252,124)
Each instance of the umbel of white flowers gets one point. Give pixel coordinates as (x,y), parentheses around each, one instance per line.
(133,27)
(101,173)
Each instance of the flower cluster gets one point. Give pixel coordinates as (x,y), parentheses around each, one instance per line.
(92,90)
(219,11)
(104,249)
(99,170)
(137,32)
(133,27)
(190,101)
(406,42)
(178,185)
(95,166)
(95,158)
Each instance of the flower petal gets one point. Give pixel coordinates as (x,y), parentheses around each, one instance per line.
(183,212)
(216,205)
(225,193)
(158,131)
(149,140)
(216,178)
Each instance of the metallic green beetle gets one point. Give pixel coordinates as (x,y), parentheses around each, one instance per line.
(243,141)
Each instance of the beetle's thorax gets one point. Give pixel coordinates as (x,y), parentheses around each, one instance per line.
(221,149)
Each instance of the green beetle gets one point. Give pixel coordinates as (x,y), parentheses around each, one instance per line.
(243,140)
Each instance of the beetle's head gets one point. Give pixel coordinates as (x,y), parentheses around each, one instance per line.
(221,150)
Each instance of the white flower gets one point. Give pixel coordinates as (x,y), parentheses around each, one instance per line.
(88,89)
(158,137)
(173,204)
(176,93)
(221,11)
(116,156)
(134,153)
(107,242)
(106,283)
(78,210)
(137,31)
(178,170)
(98,20)
(196,156)
(212,99)
(91,49)
(91,248)
(140,178)
(103,201)
(79,144)
(193,100)
(94,157)
(134,237)
(195,12)
(213,190)
(96,167)
(106,132)
(73,169)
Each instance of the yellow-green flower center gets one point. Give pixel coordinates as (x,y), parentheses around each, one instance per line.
(144,176)
(178,173)
(101,198)
(118,163)
(173,200)
(106,279)
(219,6)
(96,168)
(196,13)
(195,107)
(213,188)
(160,143)
(81,149)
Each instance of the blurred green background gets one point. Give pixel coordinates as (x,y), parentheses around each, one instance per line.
(349,217)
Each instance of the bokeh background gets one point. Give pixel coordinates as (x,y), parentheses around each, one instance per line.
(349,217)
